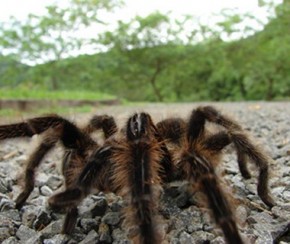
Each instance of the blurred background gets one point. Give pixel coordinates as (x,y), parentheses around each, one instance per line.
(145,51)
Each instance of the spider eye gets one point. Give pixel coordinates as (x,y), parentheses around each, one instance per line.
(137,126)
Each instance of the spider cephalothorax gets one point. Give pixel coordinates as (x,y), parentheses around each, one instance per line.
(137,161)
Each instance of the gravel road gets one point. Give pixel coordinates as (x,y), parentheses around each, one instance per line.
(187,220)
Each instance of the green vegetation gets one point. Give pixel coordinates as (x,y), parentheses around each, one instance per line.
(49,110)
(153,58)
(53,95)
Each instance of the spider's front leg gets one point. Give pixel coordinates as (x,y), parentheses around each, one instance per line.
(103,122)
(198,169)
(84,170)
(172,130)
(246,149)
(94,175)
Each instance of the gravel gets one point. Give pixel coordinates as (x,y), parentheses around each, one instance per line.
(186,218)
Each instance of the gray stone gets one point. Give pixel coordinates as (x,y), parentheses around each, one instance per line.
(88,224)
(104,233)
(42,219)
(122,242)
(174,241)
(168,207)
(78,235)
(185,238)
(182,199)
(260,218)
(7,228)
(12,214)
(46,191)
(279,229)
(119,236)
(5,233)
(268,229)
(99,208)
(241,214)
(24,233)
(54,182)
(218,240)
(11,240)
(5,185)
(116,206)
(52,229)
(29,215)
(179,192)
(189,220)
(286,195)
(36,239)
(264,237)
(200,237)
(39,201)
(111,218)
(278,191)
(91,238)
(41,179)
(6,204)
(57,239)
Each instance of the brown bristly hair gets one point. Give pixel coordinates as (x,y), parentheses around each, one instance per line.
(137,176)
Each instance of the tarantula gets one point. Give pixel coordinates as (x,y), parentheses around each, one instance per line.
(137,161)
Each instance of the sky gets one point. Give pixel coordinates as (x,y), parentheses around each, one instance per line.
(21,8)
(199,8)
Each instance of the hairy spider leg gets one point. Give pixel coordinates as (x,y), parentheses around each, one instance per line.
(27,129)
(52,127)
(172,130)
(245,149)
(104,122)
(74,162)
(199,170)
(48,142)
(74,165)
(70,221)
(92,176)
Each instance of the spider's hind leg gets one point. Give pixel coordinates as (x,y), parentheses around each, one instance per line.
(29,128)
(53,128)
(33,162)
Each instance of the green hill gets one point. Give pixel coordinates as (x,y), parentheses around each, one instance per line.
(253,68)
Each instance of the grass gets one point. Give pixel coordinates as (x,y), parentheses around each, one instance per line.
(9,113)
(53,95)
(38,94)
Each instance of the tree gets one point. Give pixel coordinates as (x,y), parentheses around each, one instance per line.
(54,36)
(150,45)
